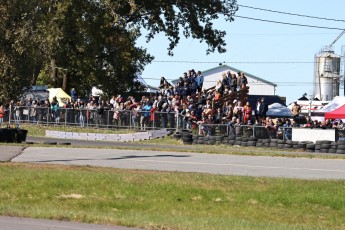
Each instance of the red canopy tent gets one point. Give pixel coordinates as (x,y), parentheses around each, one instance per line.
(338,113)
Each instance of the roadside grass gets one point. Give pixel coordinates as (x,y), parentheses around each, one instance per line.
(169,200)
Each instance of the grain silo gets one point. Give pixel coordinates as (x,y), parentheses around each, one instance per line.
(326,75)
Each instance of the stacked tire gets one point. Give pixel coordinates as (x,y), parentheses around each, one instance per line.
(280,144)
(340,147)
(177,135)
(274,143)
(187,138)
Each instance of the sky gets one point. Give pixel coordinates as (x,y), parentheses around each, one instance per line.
(282,54)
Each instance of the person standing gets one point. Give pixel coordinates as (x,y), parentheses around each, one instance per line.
(247,113)
(1,114)
(263,109)
(296,109)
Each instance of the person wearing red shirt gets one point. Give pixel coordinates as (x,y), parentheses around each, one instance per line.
(247,113)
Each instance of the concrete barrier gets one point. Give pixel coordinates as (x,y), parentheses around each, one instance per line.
(139,136)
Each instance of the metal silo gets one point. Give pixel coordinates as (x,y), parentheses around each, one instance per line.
(326,75)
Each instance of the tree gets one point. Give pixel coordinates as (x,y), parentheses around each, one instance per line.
(84,43)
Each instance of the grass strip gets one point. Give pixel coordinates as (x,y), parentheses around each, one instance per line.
(165,200)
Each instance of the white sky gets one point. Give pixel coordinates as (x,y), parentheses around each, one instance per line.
(251,41)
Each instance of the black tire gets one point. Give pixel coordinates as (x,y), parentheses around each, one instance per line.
(317,147)
(274,140)
(238,143)
(307,142)
(29,142)
(325,146)
(211,142)
(332,151)
(280,146)
(50,143)
(341,142)
(340,151)
(309,150)
(64,143)
(258,144)
(238,138)
(317,151)
(318,142)
(310,146)
(267,145)
(326,142)
(302,145)
(245,139)
(186,131)
(200,142)
(251,143)
(266,141)
(219,138)
(231,138)
(177,136)
(212,138)
(342,147)
(295,146)
(187,135)
(324,150)
(273,145)
(187,139)
(252,139)
(281,141)
(225,142)
(287,146)
(231,142)
(244,144)
(288,142)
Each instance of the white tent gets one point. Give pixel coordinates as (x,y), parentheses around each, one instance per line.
(334,104)
(278,110)
(60,95)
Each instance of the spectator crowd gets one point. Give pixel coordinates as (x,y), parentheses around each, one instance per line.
(186,105)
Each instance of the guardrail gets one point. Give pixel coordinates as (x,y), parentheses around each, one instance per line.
(109,119)
(138,120)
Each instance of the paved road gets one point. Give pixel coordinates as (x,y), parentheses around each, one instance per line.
(15,223)
(303,168)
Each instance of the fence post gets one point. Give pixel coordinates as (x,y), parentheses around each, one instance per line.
(177,120)
(9,118)
(66,110)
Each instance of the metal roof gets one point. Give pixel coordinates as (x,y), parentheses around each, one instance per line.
(238,70)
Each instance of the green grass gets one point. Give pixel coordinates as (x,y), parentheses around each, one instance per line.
(163,200)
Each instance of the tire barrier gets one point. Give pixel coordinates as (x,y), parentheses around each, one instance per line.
(13,135)
(337,147)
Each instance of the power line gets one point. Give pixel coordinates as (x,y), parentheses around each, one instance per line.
(284,83)
(293,14)
(237,62)
(291,24)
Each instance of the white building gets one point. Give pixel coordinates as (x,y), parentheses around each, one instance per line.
(258,86)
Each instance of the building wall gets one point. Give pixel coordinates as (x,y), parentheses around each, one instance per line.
(256,87)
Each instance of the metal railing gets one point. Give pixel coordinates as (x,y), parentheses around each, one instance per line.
(85,117)
(138,120)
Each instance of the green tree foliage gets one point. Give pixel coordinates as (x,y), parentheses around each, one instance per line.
(82,43)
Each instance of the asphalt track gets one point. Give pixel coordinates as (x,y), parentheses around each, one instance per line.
(301,168)
(16,223)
